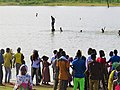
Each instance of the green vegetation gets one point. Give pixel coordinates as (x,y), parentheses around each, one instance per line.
(61,2)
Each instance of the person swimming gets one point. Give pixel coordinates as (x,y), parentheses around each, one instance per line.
(103,29)
(61,29)
(36,14)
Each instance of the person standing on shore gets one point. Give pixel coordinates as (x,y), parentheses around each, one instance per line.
(114,58)
(63,66)
(79,71)
(1,64)
(18,60)
(55,71)
(7,65)
(35,59)
(45,71)
(94,69)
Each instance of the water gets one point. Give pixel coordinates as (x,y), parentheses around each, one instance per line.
(19,26)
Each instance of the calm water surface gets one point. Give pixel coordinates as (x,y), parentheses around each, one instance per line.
(20,27)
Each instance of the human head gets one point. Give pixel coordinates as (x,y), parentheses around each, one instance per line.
(79,54)
(93,57)
(60,50)
(94,51)
(115,52)
(58,55)
(63,53)
(18,49)
(35,54)
(55,51)
(111,53)
(102,54)
(7,50)
(89,51)
(45,58)
(2,51)
(23,69)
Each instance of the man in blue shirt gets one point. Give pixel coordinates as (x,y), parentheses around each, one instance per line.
(114,58)
(1,62)
(79,70)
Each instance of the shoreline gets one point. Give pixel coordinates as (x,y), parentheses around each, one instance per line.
(41,87)
(58,4)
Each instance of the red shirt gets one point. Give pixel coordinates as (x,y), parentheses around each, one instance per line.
(101,60)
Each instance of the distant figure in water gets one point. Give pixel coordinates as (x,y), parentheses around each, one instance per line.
(61,29)
(80,18)
(103,29)
(36,14)
(80,30)
(52,23)
(119,32)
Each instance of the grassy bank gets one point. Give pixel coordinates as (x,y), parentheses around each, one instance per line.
(31,3)
(41,87)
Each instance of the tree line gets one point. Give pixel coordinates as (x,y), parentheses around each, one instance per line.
(60,1)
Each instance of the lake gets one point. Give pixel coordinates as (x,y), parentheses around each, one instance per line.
(19,27)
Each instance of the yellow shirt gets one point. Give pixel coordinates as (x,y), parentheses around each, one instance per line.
(7,58)
(63,65)
(17,57)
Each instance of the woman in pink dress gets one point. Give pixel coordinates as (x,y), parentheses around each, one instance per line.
(45,71)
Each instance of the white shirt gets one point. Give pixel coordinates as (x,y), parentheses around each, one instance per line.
(36,63)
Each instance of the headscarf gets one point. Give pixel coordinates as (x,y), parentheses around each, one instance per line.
(21,68)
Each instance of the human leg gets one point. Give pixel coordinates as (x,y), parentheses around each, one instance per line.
(55,84)
(17,68)
(75,83)
(82,83)
(96,82)
(6,73)
(9,76)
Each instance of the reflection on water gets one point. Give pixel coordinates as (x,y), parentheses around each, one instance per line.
(20,27)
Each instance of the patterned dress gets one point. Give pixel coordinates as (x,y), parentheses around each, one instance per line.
(23,82)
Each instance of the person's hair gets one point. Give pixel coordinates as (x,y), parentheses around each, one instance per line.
(55,51)
(79,54)
(89,51)
(7,50)
(115,52)
(111,53)
(19,49)
(101,52)
(35,55)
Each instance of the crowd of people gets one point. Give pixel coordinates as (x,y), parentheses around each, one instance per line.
(88,73)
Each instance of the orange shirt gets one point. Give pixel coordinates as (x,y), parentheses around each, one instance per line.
(63,65)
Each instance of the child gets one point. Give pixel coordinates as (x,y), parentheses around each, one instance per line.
(23,81)
(46,71)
